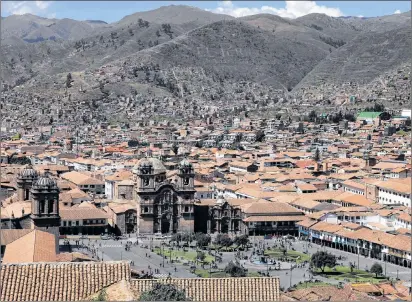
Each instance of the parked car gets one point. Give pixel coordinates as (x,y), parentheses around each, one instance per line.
(104,237)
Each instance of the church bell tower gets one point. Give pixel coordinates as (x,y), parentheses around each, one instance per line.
(45,206)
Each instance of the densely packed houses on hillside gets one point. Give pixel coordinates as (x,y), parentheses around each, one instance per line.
(346,186)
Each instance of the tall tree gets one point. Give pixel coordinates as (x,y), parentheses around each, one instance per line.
(235,270)
(202,240)
(322,260)
(223,240)
(242,240)
(376,269)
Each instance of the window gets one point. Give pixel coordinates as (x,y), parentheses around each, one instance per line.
(70,223)
(77,223)
(50,207)
(186,209)
(91,186)
(146,209)
(42,206)
(64,223)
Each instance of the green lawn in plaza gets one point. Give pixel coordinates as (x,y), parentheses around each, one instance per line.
(290,254)
(311,284)
(178,254)
(343,273)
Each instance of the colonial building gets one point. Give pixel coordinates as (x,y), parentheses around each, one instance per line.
(166,206)
(43,194)
(246,216)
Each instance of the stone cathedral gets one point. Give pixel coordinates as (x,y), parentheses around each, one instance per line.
(43,193)
(165,205)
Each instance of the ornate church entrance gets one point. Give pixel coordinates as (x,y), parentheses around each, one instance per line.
(165,223)
(167,206)
(225,225)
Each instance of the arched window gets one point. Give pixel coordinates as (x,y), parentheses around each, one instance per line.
(42,206)
(50,208)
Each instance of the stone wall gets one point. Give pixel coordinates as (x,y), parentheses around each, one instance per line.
(127,191)
(146,225)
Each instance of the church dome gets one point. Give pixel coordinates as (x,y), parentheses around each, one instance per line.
(45,183)
(158,166)
(29,172)
(144,162)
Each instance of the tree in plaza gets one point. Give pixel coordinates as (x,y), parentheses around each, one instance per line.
(242,240)
(164,292)
(223,240)
(177,237)
(235,270)
(376,269)
(322,260)
(284,251)
(202,240)
(186,237)
(201,256)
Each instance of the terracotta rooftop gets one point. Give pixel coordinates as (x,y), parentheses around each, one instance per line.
(219,289)
(68,281)
(7,236)
(274,218)
(77,213)
(328,293)
(81,178)
(266,207)
(36,246)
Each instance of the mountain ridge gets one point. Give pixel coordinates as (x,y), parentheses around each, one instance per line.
(200,60)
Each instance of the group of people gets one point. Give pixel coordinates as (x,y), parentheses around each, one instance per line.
(128,246)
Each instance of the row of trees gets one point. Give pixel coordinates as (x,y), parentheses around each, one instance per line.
(375,108)
(334,118)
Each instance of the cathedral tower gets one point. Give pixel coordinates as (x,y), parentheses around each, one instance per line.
(25,180)
(45,206)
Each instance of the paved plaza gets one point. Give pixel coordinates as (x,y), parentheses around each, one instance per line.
(144,260)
